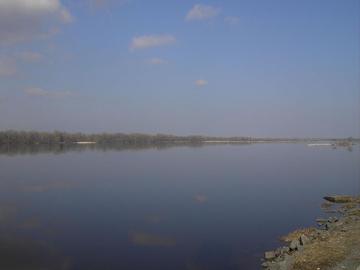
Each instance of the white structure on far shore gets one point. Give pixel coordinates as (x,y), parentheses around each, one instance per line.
(319,144)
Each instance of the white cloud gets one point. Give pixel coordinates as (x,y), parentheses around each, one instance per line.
(156,61)
(201,82)
(7,67)
(202,12)
(39,92)
(143,42)
(231,20)
(22,20)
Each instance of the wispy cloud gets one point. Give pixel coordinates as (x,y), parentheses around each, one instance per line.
(156,61)
(39,92)
(22,20)
(106,3)
(202,12)
(148,41)
(232,20)
(201,83)
(9,63)
(29,56)
(7,67)
(99,3)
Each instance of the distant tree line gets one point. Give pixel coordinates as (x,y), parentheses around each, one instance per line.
(11,137)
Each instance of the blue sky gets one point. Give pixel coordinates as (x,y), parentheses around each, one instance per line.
(252,68)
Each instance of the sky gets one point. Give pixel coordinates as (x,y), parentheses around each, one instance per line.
(280,68)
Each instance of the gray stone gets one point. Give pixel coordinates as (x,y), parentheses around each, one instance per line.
(339,199)
(294,244)
(274,266)
(321,221)
(278,252)
(304,240)
(332,219)
(269,255)
(329,226)
(286,263)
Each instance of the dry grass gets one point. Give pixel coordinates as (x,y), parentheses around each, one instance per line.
(321,254)
(327,252)
(295,235)
(348,206)
(354,212)
(326,205)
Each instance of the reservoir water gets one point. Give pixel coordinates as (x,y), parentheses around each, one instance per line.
(180,208)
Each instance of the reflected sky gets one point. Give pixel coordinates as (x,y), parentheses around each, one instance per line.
(214,207)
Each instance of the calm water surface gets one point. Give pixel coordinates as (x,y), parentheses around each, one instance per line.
(212,207)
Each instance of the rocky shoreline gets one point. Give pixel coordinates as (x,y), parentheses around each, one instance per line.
(334,244)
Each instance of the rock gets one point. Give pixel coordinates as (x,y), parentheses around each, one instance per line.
(278,252)
(330,226)
(304,240)
(286,263)
(321,221)
(274,266)
(339,198)
(269,255)
(265,264)
(285,250)
(294,244)
(332,219)
(331,211)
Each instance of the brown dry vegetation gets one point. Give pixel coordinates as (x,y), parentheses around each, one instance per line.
(295,235)
(333,247)
(329,250)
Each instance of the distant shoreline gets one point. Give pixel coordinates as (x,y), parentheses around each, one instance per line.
(11,137)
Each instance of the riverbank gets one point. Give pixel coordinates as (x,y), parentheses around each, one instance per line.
(334,244)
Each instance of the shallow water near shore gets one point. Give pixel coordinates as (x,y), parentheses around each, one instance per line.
(209,207)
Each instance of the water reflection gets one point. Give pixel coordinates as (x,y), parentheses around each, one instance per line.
(12,150)
(31,223)
(19,249)
(153,219)
(200,198)
(47,186)
(7,213)
(151,240)
(17,253)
